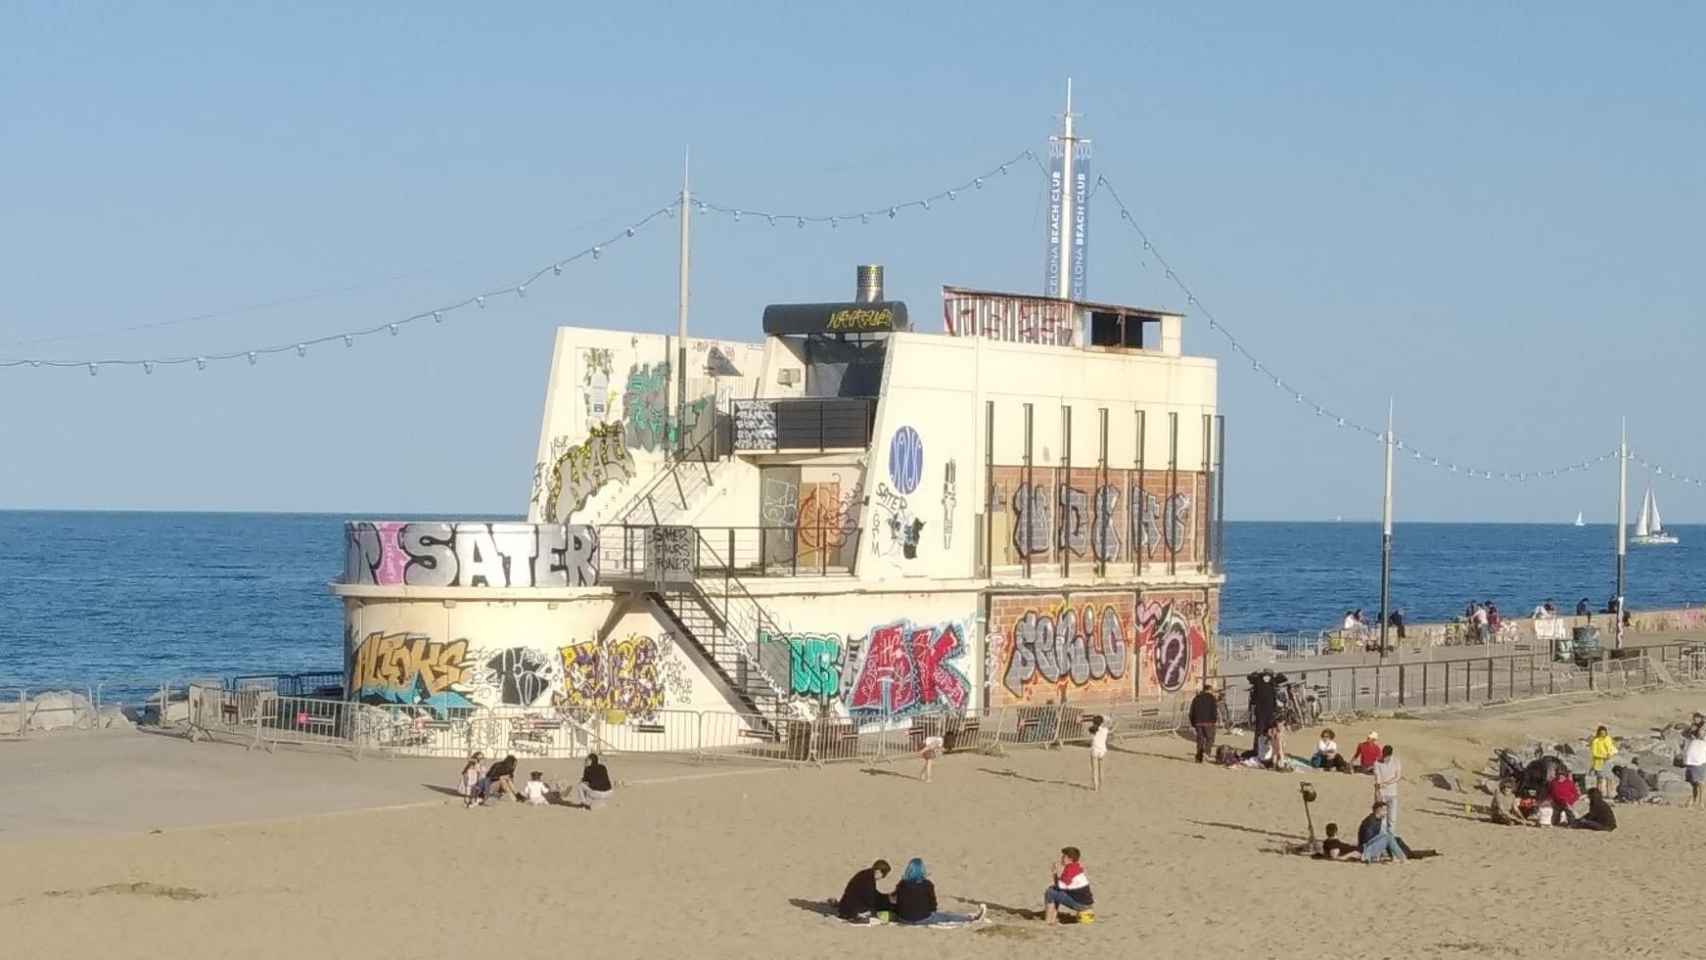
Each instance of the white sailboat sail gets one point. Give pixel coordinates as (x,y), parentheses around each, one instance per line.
(1653,506)
(1579,522)
(1643,524)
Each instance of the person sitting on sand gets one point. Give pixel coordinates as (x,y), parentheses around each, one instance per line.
(861,900)
(1327,755)
(1563,793)
(1100,727)
(1375,837)
(915,899)
(534,790)
(500,779)
(1631,783)
(1333,848)
(1504,809)
(1367,754)
(1599,816)
(594,788)
(1070,890)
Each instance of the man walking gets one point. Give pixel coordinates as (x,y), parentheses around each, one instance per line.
(1205,714)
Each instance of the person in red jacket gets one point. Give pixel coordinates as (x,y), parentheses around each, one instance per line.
(1367,753)
(1564,796)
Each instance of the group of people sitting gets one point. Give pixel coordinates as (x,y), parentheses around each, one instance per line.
(479,783)
(1377,839)
(913,900)
(1549,796)
(1556,807)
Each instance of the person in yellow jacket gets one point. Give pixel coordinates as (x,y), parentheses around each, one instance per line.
(1602,748)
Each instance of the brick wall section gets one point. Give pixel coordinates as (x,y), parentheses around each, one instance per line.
(1091,517)
(1098,645)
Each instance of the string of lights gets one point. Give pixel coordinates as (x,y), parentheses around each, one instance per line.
(888,210)
(1665,472)
(1338,419)
(436,314)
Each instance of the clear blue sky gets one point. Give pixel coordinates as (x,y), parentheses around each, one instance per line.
(1492,214)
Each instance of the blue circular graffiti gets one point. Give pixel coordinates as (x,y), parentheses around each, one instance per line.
(906,459)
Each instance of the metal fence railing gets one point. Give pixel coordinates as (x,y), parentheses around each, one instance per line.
(1267,647)
(1462,681)
(820,545)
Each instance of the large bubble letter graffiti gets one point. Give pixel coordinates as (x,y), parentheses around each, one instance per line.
(906,668)
(410,668)
(471,554)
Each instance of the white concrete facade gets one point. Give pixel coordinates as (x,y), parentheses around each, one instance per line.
(949,560)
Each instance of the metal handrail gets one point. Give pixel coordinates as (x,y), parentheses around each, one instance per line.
(668,471)
(763,623)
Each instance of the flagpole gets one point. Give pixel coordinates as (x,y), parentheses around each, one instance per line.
(1622,522)
(681,316)
(1386,537)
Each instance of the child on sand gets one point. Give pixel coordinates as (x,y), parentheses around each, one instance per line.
(928,753)
(1603,748)
(1070,890)
(1099,729)
(533,791)
(472,777)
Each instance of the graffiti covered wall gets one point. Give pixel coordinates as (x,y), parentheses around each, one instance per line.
(894,669)
(1050,646)
(1098,646)
(1097,515)
(470,554)
(610,414)
(542,660)
(1173,631)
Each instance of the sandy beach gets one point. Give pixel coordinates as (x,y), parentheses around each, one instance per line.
(124,842)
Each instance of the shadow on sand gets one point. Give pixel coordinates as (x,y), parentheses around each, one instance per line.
(1015,775)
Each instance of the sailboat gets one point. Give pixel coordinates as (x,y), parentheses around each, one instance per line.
(1649,529)
(1579,522)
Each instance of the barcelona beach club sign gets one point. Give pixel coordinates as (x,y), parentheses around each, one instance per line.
(1076,233)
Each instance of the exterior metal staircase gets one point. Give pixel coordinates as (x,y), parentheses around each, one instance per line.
(726,627)
(675,488)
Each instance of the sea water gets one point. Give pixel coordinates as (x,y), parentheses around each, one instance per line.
(135,598)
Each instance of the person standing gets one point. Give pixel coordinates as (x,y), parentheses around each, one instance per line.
(1694,761)
(1602,748)
(1264,701)
(1387,772)
(1205,714)
(1100,727)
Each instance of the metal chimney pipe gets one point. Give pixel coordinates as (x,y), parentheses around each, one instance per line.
(869,284)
